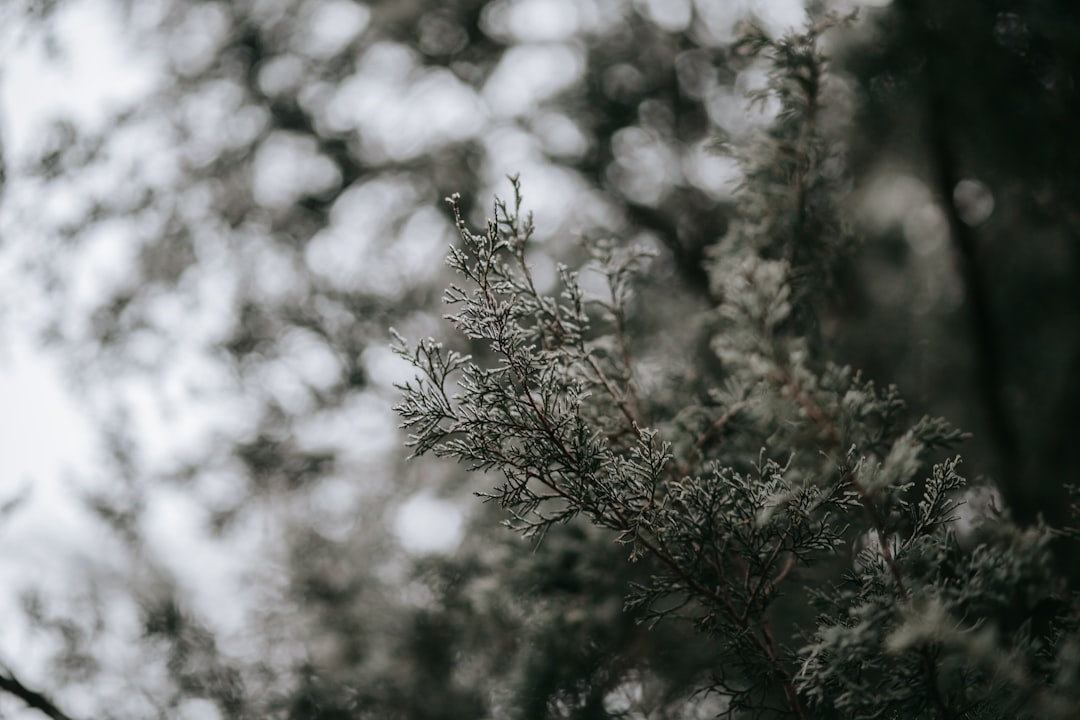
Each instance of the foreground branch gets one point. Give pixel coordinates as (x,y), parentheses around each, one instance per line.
(10,684)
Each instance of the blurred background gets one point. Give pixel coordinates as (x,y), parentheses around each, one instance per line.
(212,212)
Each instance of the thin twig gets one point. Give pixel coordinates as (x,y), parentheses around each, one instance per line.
(719,424)
(765,572)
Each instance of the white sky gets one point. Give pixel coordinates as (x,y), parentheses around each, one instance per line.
(48,433)
(97,72)
(44,436)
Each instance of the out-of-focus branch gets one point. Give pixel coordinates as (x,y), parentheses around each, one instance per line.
(10,684)
(944,177)
(987,343)
(688,261)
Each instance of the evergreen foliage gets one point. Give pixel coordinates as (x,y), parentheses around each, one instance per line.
(698,426)
(790,480)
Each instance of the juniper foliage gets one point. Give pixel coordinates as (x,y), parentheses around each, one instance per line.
(791,512)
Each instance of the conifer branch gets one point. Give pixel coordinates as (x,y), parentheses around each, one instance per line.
(557,412)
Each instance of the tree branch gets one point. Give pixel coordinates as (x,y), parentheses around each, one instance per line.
(971,268)
(10,684)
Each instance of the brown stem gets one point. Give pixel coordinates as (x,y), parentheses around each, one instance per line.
(879,529)
(930,665)
(627,412)
(619,401)
(714,428)
(788,685)
(765,572)
(624,354)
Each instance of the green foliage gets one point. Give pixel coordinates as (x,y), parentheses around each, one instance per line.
(790,480)
(904,211)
